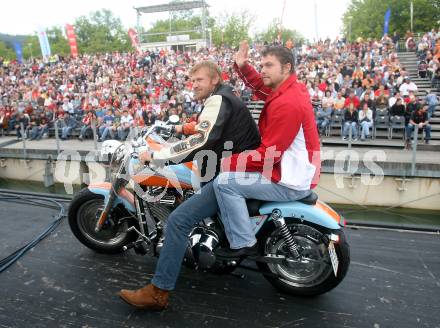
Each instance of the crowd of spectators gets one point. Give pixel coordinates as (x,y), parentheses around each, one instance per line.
(361,84)
(120,91)
(351,83)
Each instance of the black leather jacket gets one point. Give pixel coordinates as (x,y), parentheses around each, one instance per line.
(223,119)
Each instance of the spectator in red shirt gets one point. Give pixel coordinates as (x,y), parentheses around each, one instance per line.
(352,99)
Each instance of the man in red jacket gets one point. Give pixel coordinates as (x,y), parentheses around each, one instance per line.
(286,165)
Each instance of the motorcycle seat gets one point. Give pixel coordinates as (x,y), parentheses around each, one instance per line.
(254,205)
(310,199)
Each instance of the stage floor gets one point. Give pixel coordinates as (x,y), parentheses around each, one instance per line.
(393,281)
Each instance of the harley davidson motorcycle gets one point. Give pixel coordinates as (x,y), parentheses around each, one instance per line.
(303,248)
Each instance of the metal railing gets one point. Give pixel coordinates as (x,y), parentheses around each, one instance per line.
(255,107)
(414,150)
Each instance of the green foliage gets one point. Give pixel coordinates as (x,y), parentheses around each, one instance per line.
(101,32)
(367,17)
(31,47)
(58,42)
(271,33)
(177,24)
(230,29)
(6,52)
(98,33)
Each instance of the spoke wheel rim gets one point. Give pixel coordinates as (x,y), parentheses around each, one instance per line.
(312,268)
(87,216)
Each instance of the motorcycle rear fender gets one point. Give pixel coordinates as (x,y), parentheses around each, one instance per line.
(124,197)
(320,214)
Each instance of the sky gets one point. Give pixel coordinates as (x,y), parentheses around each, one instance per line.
(24,17)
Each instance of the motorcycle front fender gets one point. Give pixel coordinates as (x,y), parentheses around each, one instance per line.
(320,214)
(124,197)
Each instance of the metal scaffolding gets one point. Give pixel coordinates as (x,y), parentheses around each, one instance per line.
(173,7)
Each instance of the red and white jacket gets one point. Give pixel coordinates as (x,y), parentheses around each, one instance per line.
(289,153)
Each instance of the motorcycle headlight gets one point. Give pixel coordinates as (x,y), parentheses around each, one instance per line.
(112,152)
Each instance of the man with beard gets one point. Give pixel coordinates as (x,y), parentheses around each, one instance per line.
(224,122)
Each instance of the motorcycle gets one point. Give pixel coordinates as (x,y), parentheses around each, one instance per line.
(303,248)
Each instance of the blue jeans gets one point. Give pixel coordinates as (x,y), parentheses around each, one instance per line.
(101,130)
(322,124)
(353,127)
(431,110)
(233,188)
(85,130)
(38,131)
(365,129)
(106,132)
(182,220)
(43,130)
(34,132)
(410,128)
(65,132)
(123,133)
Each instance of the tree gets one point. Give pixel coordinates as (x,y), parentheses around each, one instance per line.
(271,33)
(101,32)
(367,17)
(228,29)
(58,42)
(6,52)
(31,47)
(180,21)
(231,29)
(177,24)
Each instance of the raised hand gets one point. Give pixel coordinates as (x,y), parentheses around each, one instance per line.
(241,56)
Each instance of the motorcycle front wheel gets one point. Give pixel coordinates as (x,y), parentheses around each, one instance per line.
(312,274)
(84,212)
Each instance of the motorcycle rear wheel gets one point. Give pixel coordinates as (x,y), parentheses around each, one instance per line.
(313,274)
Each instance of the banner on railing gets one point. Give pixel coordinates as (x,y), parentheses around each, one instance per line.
(134,40)
(44,42)
(72,40)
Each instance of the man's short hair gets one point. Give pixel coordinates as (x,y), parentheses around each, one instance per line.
(283,54)
(213,69)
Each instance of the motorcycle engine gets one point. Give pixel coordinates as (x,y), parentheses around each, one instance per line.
(202,242)
(203,239)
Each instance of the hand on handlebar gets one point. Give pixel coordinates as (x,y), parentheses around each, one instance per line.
(170,128)
(145,157)
(178,129)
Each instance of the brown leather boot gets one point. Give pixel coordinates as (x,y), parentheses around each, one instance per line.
(149,297)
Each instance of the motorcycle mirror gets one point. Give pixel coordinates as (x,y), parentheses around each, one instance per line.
(174,119)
